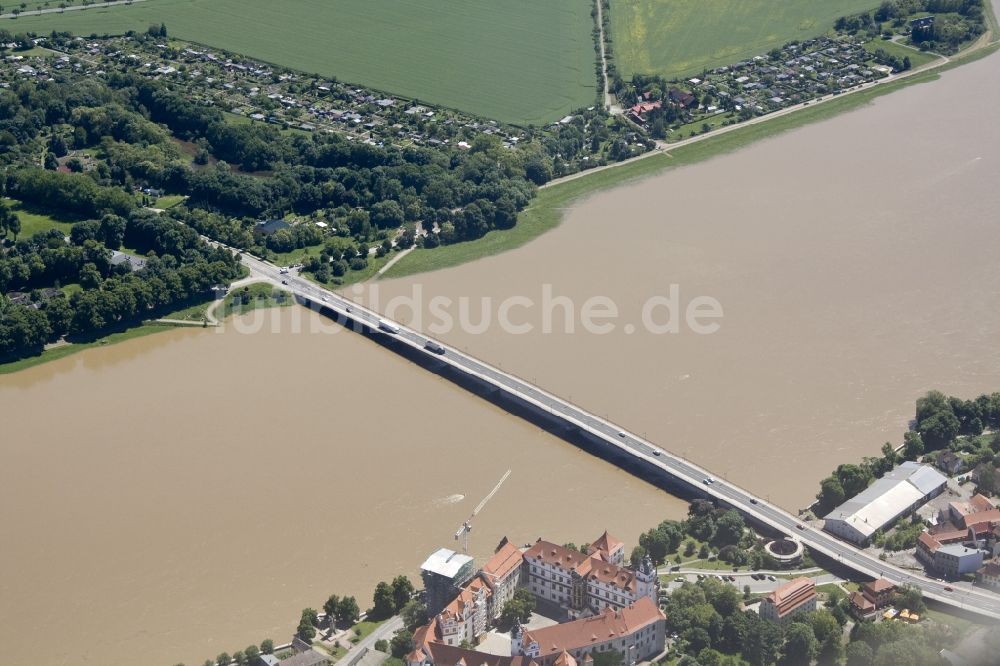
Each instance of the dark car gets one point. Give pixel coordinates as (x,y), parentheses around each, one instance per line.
(430,345)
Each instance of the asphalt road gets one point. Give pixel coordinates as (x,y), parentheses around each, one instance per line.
(955,595)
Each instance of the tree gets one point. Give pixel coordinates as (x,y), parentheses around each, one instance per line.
(348,612)
(414,614)
(384,604)
(831,492)
(729,528)
(913,445)
(330,608)
(538,171)
(939,430)
(382,645)
(909,596)
(251,653)
(267,646)
(223,659)
(401,644)
(519,608)
(402,591)
(801,646)
(853,478)
(762,643)
(859,654)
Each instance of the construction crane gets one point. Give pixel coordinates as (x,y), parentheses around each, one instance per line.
(463,531)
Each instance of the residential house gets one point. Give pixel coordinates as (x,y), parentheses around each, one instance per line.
(989,575)
(949,462)
(873,596)
(681,98)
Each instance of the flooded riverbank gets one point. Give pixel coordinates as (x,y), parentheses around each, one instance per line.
(190,492)
(853,261)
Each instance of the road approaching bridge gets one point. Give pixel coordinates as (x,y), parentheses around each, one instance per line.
(964,598)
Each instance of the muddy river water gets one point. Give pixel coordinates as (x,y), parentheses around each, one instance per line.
(190,492)
(847,267)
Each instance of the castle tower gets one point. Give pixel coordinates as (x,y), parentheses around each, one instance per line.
(516,638)
(647,583)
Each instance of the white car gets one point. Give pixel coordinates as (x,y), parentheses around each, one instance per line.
(657,452)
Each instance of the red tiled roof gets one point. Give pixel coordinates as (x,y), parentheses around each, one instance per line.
(928,541)
(597,629)
(504,561)
(991,568)
(450,655)
(791,595)
(860,602)
(552,554)
(879,585)
(980,502)
(981,521)
(588,566)
(564,659)
(466,597)
(605,542)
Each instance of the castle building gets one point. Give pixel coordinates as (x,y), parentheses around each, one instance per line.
(615,606)
(587,583)
(480,601)
(502,573)
(637,632)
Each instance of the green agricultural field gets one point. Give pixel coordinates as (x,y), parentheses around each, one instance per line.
(513,60)
(676,38)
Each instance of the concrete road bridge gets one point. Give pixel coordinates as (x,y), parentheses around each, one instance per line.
(616,443)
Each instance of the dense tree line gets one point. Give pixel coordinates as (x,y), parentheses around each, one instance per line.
(178,267)
(70,193)
(938,421)
(955,22)
(722,532)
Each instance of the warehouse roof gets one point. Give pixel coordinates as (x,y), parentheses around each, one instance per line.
(887,498)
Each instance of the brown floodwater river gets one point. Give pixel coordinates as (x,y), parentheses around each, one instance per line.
(189,492)
(855,263)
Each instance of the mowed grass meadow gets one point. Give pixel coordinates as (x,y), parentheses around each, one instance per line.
(519,61)
(677,38)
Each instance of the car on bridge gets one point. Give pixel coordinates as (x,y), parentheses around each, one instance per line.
(388,327)
(432,346)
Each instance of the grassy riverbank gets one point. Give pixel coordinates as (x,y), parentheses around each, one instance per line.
(70,348)
(546,210)
(260,296)
(252,297)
